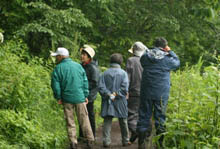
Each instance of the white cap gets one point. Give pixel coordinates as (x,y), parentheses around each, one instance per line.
(138,48)
(89,50)
(61,51)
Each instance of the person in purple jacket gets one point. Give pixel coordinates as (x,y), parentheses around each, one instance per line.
(155,87)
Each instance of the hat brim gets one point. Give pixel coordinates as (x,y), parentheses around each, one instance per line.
(53,54)
(139,53)
(130,51)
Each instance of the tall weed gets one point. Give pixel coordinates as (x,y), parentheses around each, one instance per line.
(29,113)
(193,108)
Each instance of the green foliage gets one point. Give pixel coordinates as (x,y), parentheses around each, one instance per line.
(118,24)
(193,110)
(28,112)
(51,24)
(97,109)
(192,27)
(17,129)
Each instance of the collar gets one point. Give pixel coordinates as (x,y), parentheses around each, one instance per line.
(115,65)
(85,63)
(66,59)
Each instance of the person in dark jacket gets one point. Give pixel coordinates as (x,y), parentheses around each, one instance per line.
(113,87)
(70,88)
(155,86)
(134,70)
(92,73)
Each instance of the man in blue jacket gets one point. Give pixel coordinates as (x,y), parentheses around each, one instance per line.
(70,88)
(155,86)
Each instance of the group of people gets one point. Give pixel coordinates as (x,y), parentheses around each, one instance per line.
(134,95)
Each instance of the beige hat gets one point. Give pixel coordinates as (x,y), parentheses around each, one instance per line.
(138,48)
(89,50)
(61,51)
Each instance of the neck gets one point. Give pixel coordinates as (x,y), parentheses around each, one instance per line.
(87,62)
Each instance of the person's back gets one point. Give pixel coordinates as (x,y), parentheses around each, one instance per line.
(72,78)
(156,74)
(114,77)
(114,80)
(70,87)
(113,87)
(155,85)
(134,70)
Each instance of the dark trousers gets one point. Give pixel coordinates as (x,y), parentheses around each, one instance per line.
(147,108)
(133,105)
(90,108)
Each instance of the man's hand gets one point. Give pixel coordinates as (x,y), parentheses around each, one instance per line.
(166,49)
(127,96)
(86,101)
(112,96)
(60,102)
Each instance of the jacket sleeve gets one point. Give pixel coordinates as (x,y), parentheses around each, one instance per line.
(124,86)
(173,61)
(93,83)
(55,84)
(129,70)
(85,84)
(143,59)
(104,92)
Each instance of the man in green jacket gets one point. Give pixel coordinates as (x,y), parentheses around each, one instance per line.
(70,88)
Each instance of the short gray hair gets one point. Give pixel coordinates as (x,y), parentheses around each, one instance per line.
(116,58)
(160,42)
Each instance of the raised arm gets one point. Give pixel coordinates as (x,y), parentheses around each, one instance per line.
(173,61)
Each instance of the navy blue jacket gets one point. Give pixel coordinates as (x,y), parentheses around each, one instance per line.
(157,65)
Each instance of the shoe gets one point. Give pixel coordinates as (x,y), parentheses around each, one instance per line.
(106,146)
(133,137)
(126,144)
(142,136)
(90,144)
(73,146)
(81,139)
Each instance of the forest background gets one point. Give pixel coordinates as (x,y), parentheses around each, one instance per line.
(31,118)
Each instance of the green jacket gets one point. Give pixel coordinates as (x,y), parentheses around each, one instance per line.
(69,82)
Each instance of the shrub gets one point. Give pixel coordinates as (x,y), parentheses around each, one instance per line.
(29,114)
(192,115)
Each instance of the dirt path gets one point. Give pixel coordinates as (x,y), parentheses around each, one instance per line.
(115,137)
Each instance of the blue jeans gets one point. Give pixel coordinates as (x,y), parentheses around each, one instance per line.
(147,108)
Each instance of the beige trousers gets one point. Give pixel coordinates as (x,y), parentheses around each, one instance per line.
(83,119)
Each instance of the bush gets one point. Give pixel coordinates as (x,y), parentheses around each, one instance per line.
(29,114)
(193,113)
